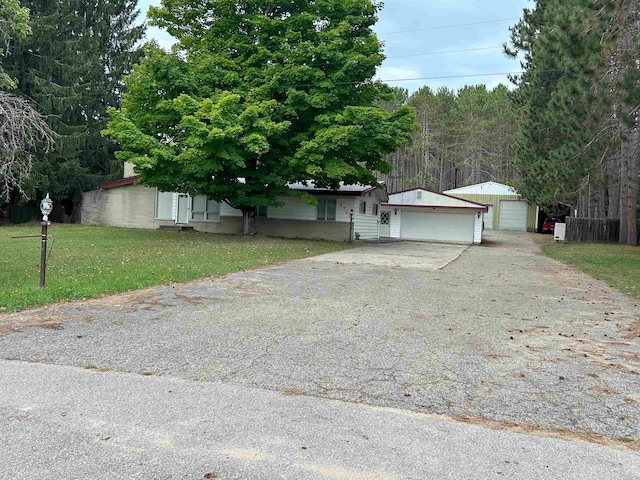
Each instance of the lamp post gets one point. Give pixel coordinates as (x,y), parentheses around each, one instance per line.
(46,205)
(350,225)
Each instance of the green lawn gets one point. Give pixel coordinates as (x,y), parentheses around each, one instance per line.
(618,265)
(93,261)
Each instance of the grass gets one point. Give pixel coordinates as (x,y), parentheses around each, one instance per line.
(617,265)
(89,262)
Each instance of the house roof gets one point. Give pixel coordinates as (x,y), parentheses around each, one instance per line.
(475,208)
(485,188)
(310,186)
(120,182)
(303,186)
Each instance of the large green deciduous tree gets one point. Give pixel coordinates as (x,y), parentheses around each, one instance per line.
(257,94)
(14,24)
(71,69)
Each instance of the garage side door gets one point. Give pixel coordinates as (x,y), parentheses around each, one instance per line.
(438,226)
(513,215)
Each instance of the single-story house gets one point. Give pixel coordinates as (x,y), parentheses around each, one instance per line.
(123,203)
(507,210)
(420,214)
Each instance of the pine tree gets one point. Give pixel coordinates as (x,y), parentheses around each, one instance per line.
(71,69)
(578,100)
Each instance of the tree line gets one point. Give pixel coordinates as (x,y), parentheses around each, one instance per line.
(465,137)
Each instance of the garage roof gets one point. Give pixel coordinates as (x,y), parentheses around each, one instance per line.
(486,188)
(423,198)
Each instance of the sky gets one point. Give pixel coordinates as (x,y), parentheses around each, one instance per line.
(438,43)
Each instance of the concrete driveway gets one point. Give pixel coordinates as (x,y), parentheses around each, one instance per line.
(419,255)
(496,335)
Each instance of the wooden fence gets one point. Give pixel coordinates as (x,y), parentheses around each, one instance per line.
(594,230)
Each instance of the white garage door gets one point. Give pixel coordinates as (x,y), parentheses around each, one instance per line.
(513,215)
(439,226)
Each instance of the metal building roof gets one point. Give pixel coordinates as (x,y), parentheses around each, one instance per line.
(486,188)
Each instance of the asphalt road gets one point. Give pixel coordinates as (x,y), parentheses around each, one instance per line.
(349,355)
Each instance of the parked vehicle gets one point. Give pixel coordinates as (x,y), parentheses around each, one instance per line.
(549,225)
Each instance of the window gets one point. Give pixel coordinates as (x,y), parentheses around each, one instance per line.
(374,209)
(261,211)
(205,209)
(362,208)
(419,194)
(384,218)
(164,205)
(326,209)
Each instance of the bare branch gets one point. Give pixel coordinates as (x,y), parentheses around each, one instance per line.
(22,131)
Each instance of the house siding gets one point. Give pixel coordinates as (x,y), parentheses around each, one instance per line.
(227,211)
(112,207)
(477,229)
(226,226)
(365,227)
(293,209)
(486,188)
(426,198)
(305,229)
(133,206)
(128,170)
(394,223)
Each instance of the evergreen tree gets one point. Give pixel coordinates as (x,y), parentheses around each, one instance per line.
(578,98)
(71,69)
(22,129)
(560,103)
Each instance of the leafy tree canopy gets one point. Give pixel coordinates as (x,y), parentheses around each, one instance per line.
(13,24)
(257,94)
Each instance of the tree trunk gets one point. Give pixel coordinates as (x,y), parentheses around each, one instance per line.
(590,197)
(580,204)
(613,178)
(631,137)
(599,207)
(248,222)
(628,193)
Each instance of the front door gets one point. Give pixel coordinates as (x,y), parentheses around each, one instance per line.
(385,229)
(183,208)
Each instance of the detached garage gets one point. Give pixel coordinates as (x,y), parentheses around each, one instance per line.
(507,209)
(420,214)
